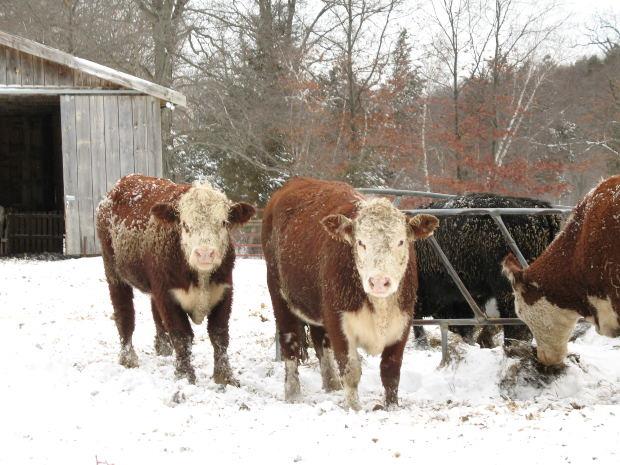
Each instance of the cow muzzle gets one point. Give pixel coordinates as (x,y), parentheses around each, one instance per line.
(550,357)
(206,257)
(380,285)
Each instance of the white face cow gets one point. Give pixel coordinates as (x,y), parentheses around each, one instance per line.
(380,235)
(204,215)
(551,325)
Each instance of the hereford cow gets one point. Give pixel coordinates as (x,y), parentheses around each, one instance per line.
(476,248)
(577,276)
(171,241)
(346,266)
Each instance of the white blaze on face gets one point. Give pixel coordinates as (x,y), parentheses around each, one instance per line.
(380,246)
(551,326)
(203,215)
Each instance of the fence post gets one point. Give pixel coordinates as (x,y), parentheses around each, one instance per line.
(445,355)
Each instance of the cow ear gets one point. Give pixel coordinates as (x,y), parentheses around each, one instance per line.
(165,212)
(240,213)
(339,227)
(421,226)
(512,269)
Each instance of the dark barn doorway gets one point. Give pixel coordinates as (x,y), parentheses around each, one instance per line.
(31,186)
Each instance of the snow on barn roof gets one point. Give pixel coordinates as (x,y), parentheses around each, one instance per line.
(89,67)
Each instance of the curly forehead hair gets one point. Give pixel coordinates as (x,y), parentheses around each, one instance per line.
(379,209)
(203,200)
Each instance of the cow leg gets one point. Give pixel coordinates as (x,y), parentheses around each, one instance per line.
(348,360)
(291,354)
(325,354)
(391,362)
(176,323)
(485,337)
(287,325)
(162,341)
(615,309)
(460,309)
(420,339)
(121,295)
(218,333)
(506,309)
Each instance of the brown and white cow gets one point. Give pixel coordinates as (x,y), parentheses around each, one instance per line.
(345,265)
(577,276)
(171,241)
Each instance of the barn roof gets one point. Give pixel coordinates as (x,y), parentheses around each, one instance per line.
(89,67)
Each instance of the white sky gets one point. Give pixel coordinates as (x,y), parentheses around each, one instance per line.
(570,38)
(588,7)
(582,13)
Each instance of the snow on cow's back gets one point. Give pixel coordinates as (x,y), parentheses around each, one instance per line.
(133,196)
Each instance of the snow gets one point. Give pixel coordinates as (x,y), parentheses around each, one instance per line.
(65,399)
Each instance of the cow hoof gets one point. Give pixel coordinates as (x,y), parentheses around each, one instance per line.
(391,398)
(354,405)
(332,384)
(128,358)
(292,388)
(186,373)
(163,346)
(292,394)
(352,398)
(486,343)
(225,379)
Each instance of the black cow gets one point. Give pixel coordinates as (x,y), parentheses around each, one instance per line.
(476,248)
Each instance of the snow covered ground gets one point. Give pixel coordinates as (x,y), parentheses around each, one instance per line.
(64,399)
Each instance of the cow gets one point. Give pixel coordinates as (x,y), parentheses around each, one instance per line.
(346,266)
(172,242)
(578,276)
(476,247)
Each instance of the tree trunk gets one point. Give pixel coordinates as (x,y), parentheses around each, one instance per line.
(165,17)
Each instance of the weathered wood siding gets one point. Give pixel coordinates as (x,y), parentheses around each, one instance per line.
(103,138)
(22,69)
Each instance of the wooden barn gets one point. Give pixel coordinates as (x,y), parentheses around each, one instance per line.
(69,129)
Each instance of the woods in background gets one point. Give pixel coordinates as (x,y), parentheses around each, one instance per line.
(443,95)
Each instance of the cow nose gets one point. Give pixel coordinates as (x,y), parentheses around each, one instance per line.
(379,284)
(206,256)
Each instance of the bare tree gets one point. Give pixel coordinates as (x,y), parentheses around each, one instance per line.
(517,35)
(167,20)
(604,32)
(359,43)
(457,48)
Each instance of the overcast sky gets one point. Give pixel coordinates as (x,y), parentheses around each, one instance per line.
(588,7)
(583,12)
(576,14)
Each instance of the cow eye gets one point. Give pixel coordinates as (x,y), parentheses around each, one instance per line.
(401,243)
(361,244)
(184,225)
(224,223)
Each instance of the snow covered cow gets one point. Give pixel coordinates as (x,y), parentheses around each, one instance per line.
(577,276)
(171,241)
(346,266)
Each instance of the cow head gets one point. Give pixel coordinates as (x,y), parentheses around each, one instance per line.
(380,235)
(551,325)
(204,216)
